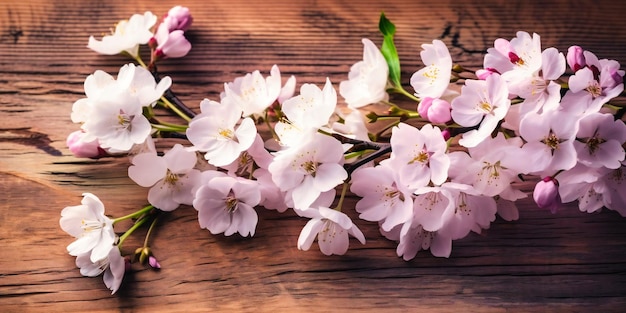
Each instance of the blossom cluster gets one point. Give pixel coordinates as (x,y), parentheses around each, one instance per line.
(527,113)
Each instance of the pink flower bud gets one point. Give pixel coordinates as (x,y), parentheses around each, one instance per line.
(179,18)
(423,106)
(173,45)
(435,110)
(546,194)
(482,74)
(575,58)
(153,262)
(83,149)
(446,134)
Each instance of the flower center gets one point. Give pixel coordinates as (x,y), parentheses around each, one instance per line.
(594,89)
(89,225)
(593,143)
(310,167)
(552,141)
(171,178)
(226,133)
(421,157)
(515,59)
(493,169)
(485,106)
(231,203)
(432,73)
(124,120)
(462,205)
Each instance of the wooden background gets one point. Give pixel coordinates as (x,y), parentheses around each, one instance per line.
(570,261)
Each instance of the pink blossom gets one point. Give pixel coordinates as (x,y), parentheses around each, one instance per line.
(546,194)
(178,17)
(419,156)
(226,204)
(433,80)
(383,199)
(84,149)
(331,227)
(310,169)
(435,110)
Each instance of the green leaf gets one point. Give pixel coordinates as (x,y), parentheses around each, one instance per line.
(388,49)
(386,26)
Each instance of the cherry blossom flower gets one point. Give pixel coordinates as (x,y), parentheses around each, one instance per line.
(383,200)
(521,56)
(218,134)
(250,160)
(331,227)
(491,166)
(127,37)
(593,86)
(310,169)
(352,126)
(118,123)
(139,83)
(252,93)
(433,207)
(112,112)
(599,141)
(307,112)
(482,103)
(93,230)
(433,80)
(472,211)
(367,79)
(419,156)
(414,238)
(550,141)
(172,177)
(226,204)
(112,264)
(540,90)
(595,188)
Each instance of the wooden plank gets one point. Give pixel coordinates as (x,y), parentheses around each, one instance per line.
(570,261)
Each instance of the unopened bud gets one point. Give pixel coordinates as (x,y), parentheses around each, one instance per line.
(84,149)
(546,194)
(435,110)
(180,18)
(576,58)
(153,262)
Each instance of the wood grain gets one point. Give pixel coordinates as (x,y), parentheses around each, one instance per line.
(570,261)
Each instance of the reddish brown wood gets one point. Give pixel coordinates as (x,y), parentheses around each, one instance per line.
(570,261)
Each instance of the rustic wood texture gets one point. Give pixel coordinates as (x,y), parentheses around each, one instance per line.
(570,261)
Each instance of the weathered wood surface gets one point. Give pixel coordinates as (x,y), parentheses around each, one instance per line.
(570,261)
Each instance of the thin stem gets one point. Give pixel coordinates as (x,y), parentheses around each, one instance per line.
(269,125)
(353,166)
(164,128)
(175,109)
(133,215)
(344,190)
(380,133)
(140,61)
(169,94)
(182,127)
(154,221)
(130,231)
(402,91)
